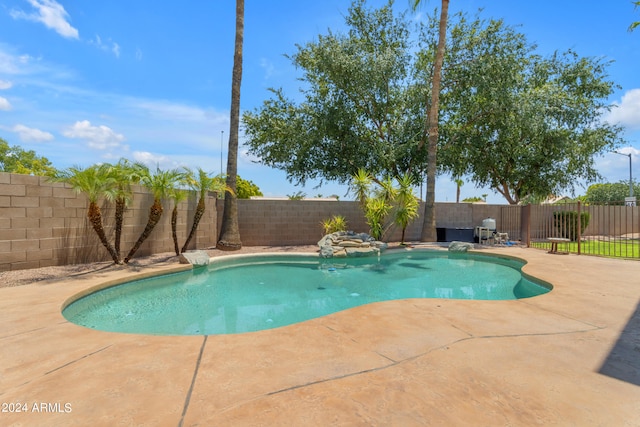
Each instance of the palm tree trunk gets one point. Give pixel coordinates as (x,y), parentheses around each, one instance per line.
(174,228)
(230,232)
(429,217)
(155,213)
(196,220)
(120,205)
(95,217)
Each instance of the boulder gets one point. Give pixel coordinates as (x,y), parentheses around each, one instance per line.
(349,244)
(460,246)
(195,258)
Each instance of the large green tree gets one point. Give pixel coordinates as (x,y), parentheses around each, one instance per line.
(610,193)
(15,159)
(229,238)
(247,188)
(519,123)
(358,109)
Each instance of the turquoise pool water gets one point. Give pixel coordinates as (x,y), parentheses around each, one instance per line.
(263,292)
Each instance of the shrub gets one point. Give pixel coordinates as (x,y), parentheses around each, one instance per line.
(566,222)
(333,224)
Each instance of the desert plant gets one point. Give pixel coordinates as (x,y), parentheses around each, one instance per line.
(202,183)
(406,209)
(161,184)
(334,224)
(94,182)
(124,173)
(376,211)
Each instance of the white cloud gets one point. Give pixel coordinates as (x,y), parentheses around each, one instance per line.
(98,137)
(4,84)
(268,67)
(27,134)
(138,54)
(626,112)
(5,105)
(108,46)
(51,14)
(150,159)
(166,110)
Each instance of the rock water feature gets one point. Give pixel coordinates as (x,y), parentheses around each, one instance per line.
(349,244)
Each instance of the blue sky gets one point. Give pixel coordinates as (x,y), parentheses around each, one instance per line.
(93,81)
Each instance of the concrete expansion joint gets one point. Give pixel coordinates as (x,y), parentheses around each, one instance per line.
(187,399)
(78,359)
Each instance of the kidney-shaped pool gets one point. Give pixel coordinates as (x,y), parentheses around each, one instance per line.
(252,293)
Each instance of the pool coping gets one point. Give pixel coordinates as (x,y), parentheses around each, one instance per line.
(565,357)
(218,260)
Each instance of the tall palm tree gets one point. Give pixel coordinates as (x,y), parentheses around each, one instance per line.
(202,183)
(229,239)
(431,127)
(161,184)
(94,182)
(124,173)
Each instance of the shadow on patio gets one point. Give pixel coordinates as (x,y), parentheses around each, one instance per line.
(623,361)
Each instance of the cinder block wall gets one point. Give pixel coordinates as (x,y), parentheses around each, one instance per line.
(297,222)
(44,224)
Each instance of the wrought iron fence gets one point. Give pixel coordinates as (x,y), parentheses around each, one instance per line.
(611,230)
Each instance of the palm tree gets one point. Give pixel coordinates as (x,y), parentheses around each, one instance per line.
(229,239)
(431,128)
(94,182)
(459,182)
(202,185)
(177,195)
(124,173)
(406,203)
(161,184)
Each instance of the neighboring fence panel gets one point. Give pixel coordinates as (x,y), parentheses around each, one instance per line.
(611,230)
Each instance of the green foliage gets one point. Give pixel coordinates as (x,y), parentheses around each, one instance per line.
(473,199)
(298,195)
(376,211)
(566,222)
(518,122)
(245,189)
(334,224)
(14,159)
(385,201)
(635,24)
(358,109)
(610,193)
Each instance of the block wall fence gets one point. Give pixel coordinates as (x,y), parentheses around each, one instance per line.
(45,224)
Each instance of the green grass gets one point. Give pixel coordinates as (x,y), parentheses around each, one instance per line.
(607,248)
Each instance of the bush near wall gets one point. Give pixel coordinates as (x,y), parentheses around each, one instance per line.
(567,223)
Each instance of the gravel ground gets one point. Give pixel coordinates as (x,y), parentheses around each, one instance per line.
(53,274)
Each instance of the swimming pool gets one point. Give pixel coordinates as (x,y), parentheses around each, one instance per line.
(252,293)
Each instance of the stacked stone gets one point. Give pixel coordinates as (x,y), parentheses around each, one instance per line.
(349,244)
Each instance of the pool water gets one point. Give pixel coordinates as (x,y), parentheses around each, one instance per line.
(262,292)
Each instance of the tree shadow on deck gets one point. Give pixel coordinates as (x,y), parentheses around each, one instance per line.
(623,362)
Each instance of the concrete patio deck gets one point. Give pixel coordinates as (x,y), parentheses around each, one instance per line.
(570,357)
